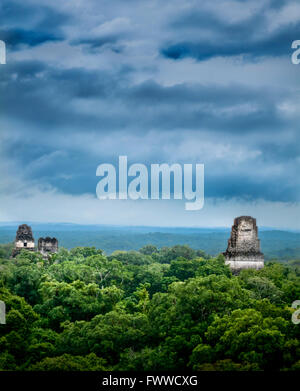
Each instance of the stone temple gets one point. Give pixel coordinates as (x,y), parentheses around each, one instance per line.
(25,241)
(243,250)
(24,237)
(47,246)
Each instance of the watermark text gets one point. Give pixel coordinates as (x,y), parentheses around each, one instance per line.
(161,182)
(2,52)
(2,312)
(296,314)
(296,53)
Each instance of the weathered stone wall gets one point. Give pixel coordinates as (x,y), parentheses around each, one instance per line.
(24,244)
(47,246)
(24,239)
(243,250)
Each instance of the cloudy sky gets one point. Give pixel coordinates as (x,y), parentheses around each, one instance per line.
(161,81)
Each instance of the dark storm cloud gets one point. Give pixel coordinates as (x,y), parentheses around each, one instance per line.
(136,107)
(249,188)
(204,106)
(98,42)
(203,35)
(277,4)
(43,96)
(55,111)
(16,38)
(26,25)
(112,34)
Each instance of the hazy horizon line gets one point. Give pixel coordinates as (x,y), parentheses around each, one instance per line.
(18,222)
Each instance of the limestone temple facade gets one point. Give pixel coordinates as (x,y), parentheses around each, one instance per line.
(243,250)
(47,246)
(24,239)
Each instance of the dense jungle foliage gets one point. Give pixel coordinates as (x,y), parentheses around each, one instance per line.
(169,309)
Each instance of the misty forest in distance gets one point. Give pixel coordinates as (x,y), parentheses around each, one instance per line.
(275,244)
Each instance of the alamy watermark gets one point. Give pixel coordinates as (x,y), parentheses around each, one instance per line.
(2,312)
(162,178)
(296,54)
(296,314)
(2,52)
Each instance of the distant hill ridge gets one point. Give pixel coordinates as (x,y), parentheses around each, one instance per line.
(274,243)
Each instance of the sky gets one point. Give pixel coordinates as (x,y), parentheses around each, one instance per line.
(160,81)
